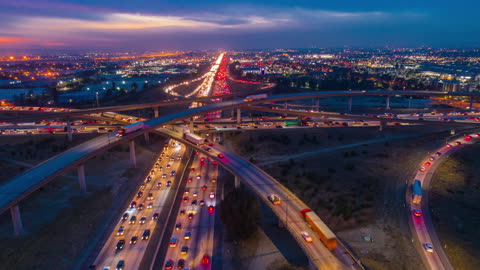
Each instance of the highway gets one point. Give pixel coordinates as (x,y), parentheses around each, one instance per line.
(422,226)
(201,224)
(273,98)
(288,211)
(132,254)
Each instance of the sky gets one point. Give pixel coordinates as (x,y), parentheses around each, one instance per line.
(120,25)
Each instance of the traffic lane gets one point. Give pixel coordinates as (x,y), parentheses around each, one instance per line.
(107,252)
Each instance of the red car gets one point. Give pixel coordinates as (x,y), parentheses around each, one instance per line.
(458,143)
(211,209)
(204,187)
(221,155)
(449,145)
(438,154)
(467,138)
(205,259)
(426,164)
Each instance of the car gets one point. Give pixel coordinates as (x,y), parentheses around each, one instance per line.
(172,158)
(438,154)
(275,199)
(159,184)
(306,236)
(140,206)
(120,265)
(133,219)
(214,180)
(199,177)
(173,242)
(208,149)
(194,202)
(133,240)
(185,199)
(182,212)
(142,220)
(152,172)
(192,169)
(157,165)
(190,216)
(458,143)
(422,169)
(168,265)
(202,159)
(221,155)
(150,196)
(214,162)
(155,216)
(133,204)
(432,158)
(428,247)
(179,157)
(149,179)
(426,164)
(417,213)
(212,195)
(204,187)
(195,194)
(184,250)
(125,217)
(160,168)
(120,244)
(190,180)
(202,202)
(211,209)
(143,185)
(181,264)
(139,194)
(146,235)
(172,173)
(164,175)
(278,127)
(448,145)
(467,138)
(205,259)
(169,183)
(210,144)
(150,205)
(168,166)
(178,226)
(187,236)
(120,230)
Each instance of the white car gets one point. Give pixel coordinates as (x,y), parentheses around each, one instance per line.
(307,236)
(212,195)
(428,247)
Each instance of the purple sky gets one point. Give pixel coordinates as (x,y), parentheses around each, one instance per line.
(213,24)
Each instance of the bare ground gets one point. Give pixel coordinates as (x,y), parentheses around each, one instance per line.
(454,198)
(359,192)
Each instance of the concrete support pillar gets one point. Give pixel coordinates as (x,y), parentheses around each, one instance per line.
(191,125)
(232,113)
(388,103)
(317,104)
(69,130)
(382,125)
(350,102)
(471,102)
(239,116)
(146,135)
(133,158)
(285,107)
(16,220)
(155,112)
(81,178)
(452,131)
(237,181)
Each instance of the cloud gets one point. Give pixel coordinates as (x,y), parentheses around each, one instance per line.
(12,40)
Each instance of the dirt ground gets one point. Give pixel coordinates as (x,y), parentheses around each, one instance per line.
(62,224)
(359,192)
(454,198)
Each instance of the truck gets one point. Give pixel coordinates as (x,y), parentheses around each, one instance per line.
(129,129)
(295,123)
(254,97)
(110,115)
(323,232)
(193,138)
(417,192)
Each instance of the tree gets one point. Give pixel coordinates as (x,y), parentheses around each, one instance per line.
(240,212)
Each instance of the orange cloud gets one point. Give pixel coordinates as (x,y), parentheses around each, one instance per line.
(12,40)
(52,43)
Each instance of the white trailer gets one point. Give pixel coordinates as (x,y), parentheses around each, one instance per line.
(193,138)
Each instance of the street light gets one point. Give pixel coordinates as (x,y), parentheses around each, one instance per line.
(96,95)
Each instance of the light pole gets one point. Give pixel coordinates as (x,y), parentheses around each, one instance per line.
(96,95)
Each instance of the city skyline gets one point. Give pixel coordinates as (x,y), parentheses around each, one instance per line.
(188,25)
